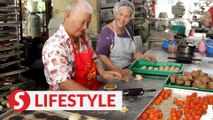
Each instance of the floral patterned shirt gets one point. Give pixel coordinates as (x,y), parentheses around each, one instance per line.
(58,58)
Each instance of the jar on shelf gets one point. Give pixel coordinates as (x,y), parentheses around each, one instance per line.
(173,47)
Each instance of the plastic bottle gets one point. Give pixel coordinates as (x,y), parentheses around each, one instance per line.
(202,46)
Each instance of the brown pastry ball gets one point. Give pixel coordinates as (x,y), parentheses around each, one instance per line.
(196,83)
(205,79)
(173,78)
(210,85)
(195,74)
(110,86)
(184,78)
(179,82)
(202,85)
(187,83)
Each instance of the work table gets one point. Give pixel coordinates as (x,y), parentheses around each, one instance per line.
(138,104)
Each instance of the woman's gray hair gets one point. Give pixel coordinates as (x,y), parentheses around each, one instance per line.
(82,3)
(124,3)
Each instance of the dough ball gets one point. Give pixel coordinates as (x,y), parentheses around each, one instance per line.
(156,68)
(166,68)
(138,77)
(75,116)
(92,118)
(161,68)
(1,107)
(177,69)
(110,86)
(150,68)
(4,102)
(144,67)
(171,69)
(124,109)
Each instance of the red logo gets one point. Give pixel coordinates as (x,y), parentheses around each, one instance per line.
(19,100)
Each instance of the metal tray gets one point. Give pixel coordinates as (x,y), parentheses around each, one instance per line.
(14,46)
(136,67)
(15,23)
(180,94)
(62,114)
(9,8)
(7,64)
(16,70)
(7,38)
(167,83)
(11,55)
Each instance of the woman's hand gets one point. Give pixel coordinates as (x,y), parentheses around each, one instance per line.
(149,57)
(139,55)
(111,75)
(126,71)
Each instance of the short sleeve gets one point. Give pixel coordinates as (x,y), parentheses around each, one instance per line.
(104,41)
(54,58)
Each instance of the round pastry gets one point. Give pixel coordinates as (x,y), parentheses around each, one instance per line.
(27,112)
(4,102)
(161,68)
(54,117)
(16,118)
(177,69)
(138,77)
(1,107)
(40,115)
(75,116)
(92,118)
(110,86)
(156,68)
(144,67)
(7,83)
(150,68)
(124,109)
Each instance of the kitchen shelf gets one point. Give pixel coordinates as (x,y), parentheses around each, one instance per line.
(13,23)
(11,63)
(10,54)
(18,70)
(13,46)
(7,38)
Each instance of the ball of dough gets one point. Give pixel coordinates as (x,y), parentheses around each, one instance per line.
(1,107)
(161,68)
(150,68)
(92,118)
(156,68)
(138,77)
(166,68)
(75,116)
(177,69)
(171,69)
(144,67)
(124,109)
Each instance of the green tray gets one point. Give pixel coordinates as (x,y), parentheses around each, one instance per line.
(167,83)
(136,67)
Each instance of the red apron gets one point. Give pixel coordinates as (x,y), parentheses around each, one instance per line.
(85,70)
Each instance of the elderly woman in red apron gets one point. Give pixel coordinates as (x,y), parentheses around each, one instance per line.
(69,60)
(115,46)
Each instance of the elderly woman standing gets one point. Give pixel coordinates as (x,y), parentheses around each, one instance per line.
(115,46)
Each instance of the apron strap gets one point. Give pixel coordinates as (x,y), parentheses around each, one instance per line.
(127,34)
(84,40)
